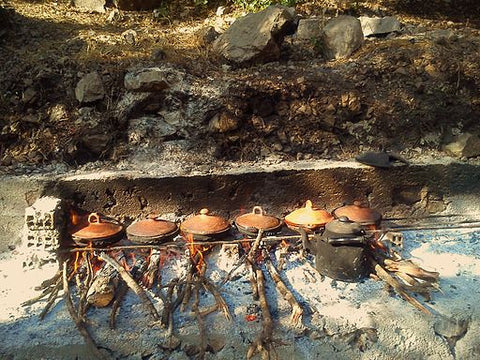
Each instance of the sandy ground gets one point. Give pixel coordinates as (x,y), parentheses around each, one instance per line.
(342,321)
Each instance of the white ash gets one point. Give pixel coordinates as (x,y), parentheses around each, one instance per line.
(339,320)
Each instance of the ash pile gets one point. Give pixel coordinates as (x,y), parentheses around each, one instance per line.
(205,289)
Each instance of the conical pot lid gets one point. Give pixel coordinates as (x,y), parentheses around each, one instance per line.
(204,224)
(152,227)
(359,213)
(97,228)
(308,217)
(258,220)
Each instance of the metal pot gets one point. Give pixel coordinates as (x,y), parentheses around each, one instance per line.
(340,251)
(204,227)
(152,230)
(97,230)
(359,213)
(308,218)
(250,223)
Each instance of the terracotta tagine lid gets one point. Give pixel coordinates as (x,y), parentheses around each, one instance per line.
(308,217)
(97,228)
(152,227)
(204,224)
(359,213)
(257,220)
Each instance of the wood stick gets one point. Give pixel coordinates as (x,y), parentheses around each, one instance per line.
(221,303)
(51,298)
(410,268)
(206,311)
(167,307)
(49,282)
(45,292)
(188,292)
(200,322)
(297,310)
(385,276)
(253,281)
(132,284)
(263,343)
(253,250)
(121,292)
(97,354)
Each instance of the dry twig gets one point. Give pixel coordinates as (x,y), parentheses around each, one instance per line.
(297,310)
(78,321)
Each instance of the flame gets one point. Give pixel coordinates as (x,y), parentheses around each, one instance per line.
(284,244)
(197,251)
(376,244)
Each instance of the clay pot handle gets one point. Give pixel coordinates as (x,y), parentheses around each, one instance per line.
(204,212)
(257,210)
(93,216)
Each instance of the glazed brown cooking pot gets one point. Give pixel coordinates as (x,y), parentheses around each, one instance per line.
(152,230)
(308,218)
(359,213)
(98,231)
(250,223)
(204,227)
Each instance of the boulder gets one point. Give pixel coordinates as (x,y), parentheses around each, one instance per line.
(152,79)
(309,29)
(464,145)
(256,37)
(372,26)
(90,88)
(91,5)
(341,37)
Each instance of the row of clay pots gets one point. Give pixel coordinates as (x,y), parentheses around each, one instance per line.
(205,226)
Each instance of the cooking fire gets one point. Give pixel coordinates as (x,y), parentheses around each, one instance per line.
(262,273)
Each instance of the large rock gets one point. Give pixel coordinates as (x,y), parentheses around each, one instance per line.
(256,37)
(152,79)
(90,5)
(465,145)
(90,88)
(309,29)
(341,37)
(378,26)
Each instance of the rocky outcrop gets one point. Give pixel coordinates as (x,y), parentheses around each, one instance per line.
(341,37)
(90,88)
(256,37)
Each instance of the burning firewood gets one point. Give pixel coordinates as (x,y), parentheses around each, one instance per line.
(132,284)
(297,311)
(151,272)
(102,290)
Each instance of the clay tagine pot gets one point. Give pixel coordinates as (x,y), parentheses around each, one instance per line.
(204,226)
(97,230)
(308,218)
(250,223)
(359,213)
(152,230)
